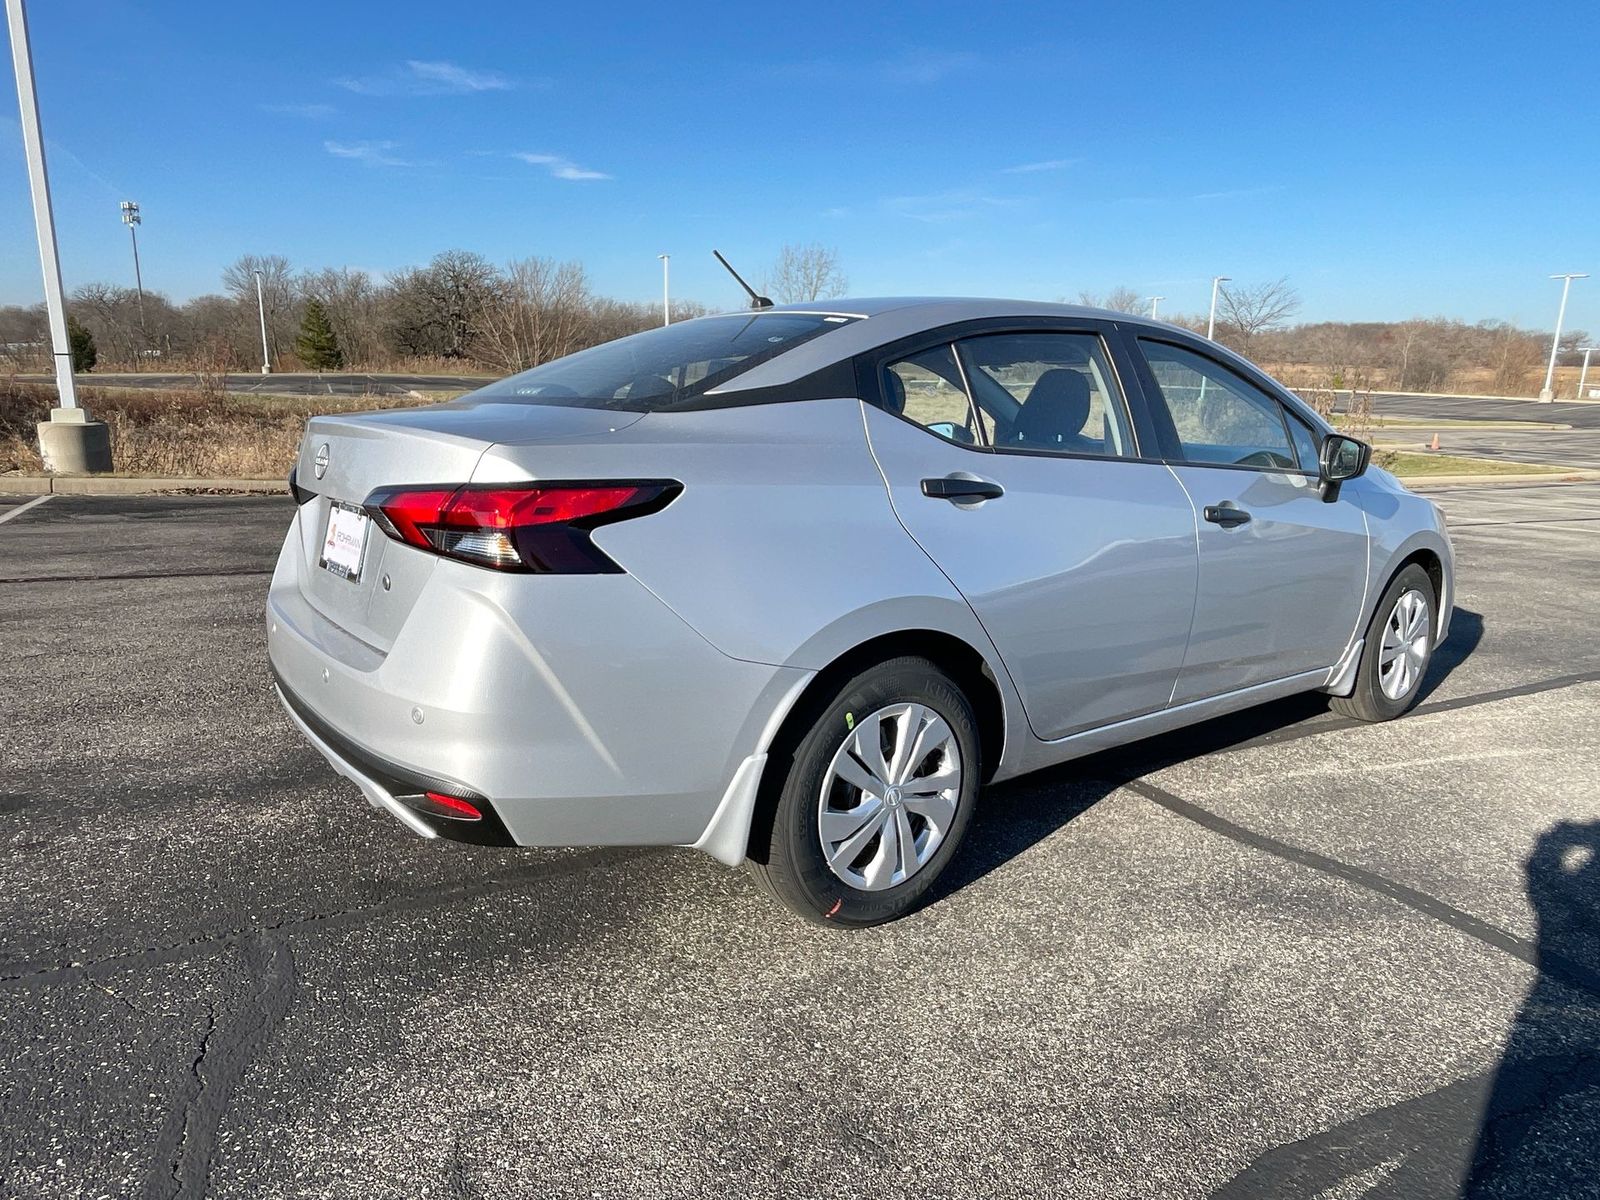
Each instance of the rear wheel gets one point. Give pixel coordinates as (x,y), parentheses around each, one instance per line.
(874,799)
(1398,648)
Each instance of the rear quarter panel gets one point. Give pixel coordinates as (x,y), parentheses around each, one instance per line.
(783,547)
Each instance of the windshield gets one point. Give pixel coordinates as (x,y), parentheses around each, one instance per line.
(663,368)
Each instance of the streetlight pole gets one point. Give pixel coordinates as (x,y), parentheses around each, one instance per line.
(1216,283)
(69,441)
(666,289)
(1547,393)
(130,218)
(1583,375)
(1154,300)
(261,308)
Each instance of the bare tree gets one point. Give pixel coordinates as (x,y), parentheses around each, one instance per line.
(539,311)
(279,296)
(805,273)
(1248,312)
(437,310)
(1118,299)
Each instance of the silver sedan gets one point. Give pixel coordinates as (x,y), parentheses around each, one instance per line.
(791,586)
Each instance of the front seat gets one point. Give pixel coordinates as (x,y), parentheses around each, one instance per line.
(1054,414)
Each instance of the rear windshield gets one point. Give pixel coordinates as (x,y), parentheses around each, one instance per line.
(664,368)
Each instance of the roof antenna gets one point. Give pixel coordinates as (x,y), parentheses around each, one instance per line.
(755,300)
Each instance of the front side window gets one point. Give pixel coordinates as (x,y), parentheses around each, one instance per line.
(1220,417)
(926,388)
(664,368)
(1046,392)
(1306,444)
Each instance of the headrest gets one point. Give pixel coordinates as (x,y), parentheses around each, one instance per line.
(894,393)
(1056,408)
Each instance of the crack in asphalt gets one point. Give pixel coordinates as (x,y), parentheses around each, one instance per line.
(181,1164)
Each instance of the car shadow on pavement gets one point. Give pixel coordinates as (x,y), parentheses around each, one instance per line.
(1466,631)
(1018,814)
(1528,1127)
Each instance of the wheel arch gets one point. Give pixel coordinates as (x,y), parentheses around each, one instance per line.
(964,663)
(1433,559)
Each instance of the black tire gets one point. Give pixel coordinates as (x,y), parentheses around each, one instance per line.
(786,850)
(1368,702)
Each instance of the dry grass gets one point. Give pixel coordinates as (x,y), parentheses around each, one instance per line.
(178,433)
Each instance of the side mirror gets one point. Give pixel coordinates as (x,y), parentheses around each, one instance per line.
(1341,458)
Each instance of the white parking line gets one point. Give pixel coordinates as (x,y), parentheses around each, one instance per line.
(22,508)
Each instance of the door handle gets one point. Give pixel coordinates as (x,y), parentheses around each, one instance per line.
(959,487)
(1227,514)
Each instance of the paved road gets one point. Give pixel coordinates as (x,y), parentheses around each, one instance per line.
(1275,956)
(289,384)
(1576,446)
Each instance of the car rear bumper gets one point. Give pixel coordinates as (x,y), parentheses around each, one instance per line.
(577,710)
(387,787)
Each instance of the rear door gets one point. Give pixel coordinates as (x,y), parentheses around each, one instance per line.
(1282,572)
(1011,458)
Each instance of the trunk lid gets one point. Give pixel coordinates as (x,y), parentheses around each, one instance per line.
(441,444)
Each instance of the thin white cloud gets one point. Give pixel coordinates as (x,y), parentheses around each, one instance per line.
(453,78)
(922,66)
(420,77)
(372,154)
(1049,164)
(958,204)
(560,168)
(914,66)
(1238,193)
(311,112)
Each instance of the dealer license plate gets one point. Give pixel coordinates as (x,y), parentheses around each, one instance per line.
(346,542)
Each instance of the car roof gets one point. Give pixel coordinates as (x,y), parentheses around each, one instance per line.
(885,319)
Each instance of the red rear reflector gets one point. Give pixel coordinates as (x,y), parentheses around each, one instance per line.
(453,807)
(532,527)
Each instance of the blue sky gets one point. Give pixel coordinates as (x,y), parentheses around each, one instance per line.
(1391,159)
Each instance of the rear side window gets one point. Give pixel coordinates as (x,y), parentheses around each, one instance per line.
(927,389)
(665,368)
(1220,417)
(1051,393)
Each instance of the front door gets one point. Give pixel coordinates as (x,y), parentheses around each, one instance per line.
(1011,460)
(1282,571)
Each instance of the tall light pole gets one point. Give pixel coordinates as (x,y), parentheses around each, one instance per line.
(666,289)
(130,218)
(69,441)
(1583,375)
(1216,283)
(1547,393)
(1154,300)
(261,308)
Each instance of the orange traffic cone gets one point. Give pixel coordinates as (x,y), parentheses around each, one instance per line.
(1435,445)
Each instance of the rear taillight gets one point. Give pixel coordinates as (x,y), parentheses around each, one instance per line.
(526,527)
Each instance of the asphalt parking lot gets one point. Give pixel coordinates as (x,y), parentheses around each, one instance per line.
(1275,955)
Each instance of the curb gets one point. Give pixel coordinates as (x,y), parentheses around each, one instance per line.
(1423,483)
(129,485)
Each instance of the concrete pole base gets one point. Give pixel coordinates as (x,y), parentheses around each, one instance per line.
(69,442)
(1546,395)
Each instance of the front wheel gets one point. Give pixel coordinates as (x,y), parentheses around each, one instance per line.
(875,798)
(1398,648)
